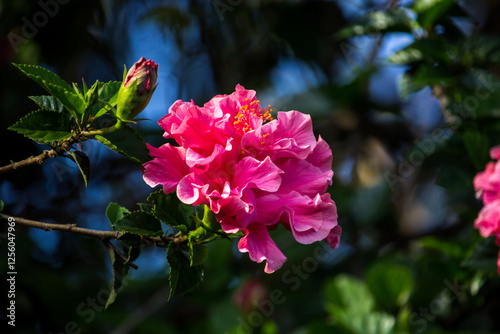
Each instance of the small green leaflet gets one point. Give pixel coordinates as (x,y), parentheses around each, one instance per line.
(48,102)
(44,126)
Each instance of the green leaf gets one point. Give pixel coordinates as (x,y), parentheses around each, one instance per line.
(43,77)
(480,50)
(138,222)
(430,11)
(390,284)
(432,50)
(484,257)
(477,146)
(424,76)
(379,22)
(115,212)
(369,323)
(1,205)
(48,102)
(183,277)
(198,254)
(83,163)
(127,142)
(348,292)
(166,208)
(120,269)
(452,249)
(73,103)
(44,126)
(56,86)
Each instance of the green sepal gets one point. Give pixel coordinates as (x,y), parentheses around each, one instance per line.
(108,94)
(44,126)
(129,103)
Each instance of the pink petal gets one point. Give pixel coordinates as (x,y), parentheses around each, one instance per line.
(322,157)
(309,219)
(260,247)
(333,238)
(488,221)
(290,135)
(495,153)
(304,177)
(264,175)
(189,190)
(167,167)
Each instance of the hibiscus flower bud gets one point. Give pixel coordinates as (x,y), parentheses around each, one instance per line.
(250,295)
(138,86)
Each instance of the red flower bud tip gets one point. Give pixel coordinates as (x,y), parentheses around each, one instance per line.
(145,72)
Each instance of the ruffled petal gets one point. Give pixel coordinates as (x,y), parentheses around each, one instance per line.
(189,190)
(264,175)
(303,177)
(290,135)
(260,247)
(167,168)
(309,219)
(488,220)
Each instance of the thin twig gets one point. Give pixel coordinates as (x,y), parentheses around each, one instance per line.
(104,235)
(39,159)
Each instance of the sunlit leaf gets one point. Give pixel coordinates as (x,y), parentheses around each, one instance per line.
(379,22)
(115,212)
(44,126)
(48,102)
(390,284)
(127,142)
(138,222)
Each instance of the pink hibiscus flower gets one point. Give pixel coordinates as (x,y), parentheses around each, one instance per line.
(252,171)
(487,186)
